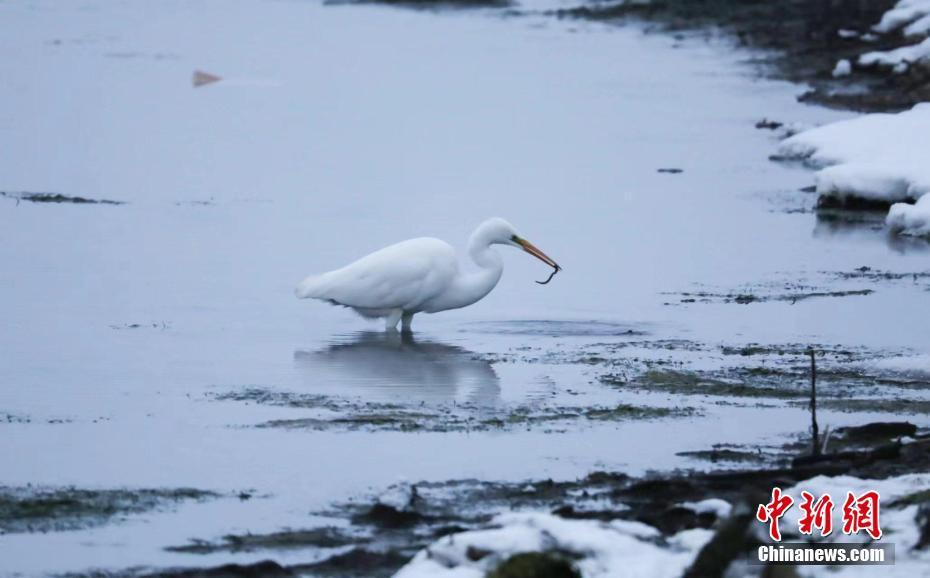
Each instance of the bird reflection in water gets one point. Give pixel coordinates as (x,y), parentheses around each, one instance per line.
(394,367)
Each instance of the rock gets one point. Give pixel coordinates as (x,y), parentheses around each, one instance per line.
(766,124)
(923,526)
(877,431)
(386,516)
(264,569)
(535,565)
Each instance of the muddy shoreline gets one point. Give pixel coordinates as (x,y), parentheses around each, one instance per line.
(798,40)
(387,531)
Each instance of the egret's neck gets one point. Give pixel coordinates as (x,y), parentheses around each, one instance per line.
(473,286)
(480,251)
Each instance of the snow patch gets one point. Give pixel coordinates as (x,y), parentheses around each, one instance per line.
(908,219)
(920,27)
(615,549)
(842,68)
(874,157)
(905,14)
(400,496)
(716,506)
(899,59)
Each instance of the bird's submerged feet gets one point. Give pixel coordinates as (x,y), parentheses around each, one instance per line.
(405,321)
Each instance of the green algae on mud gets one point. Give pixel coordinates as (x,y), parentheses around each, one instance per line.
(626,411)
(693,383)
(439,421)
(898,406)
(847,378)
(288,539)
(37,509)
(352,415)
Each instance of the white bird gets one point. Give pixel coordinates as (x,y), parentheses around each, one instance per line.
(419,275)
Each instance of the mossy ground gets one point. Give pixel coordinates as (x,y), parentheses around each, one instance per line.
(56,509)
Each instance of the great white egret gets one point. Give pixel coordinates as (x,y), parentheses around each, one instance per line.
(419,275)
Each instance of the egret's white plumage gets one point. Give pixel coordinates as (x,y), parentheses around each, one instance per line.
(418,275)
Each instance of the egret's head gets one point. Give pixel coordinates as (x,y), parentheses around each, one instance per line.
(498,231)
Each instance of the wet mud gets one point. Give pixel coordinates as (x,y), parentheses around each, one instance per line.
(341,414)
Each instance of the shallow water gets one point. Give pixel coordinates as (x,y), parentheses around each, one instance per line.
(337,130)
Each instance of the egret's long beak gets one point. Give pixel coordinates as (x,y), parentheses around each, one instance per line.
(532,250)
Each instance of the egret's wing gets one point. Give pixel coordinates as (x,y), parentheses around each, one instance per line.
(400,276)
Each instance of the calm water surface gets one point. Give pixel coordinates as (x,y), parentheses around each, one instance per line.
(338,130)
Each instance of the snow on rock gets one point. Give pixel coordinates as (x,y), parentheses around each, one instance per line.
(842,68)
(400,496)
(716,506)
(899,59)
(920,27)
(878,157)
(912,18)
(911,15)
(909,219)
(616,549)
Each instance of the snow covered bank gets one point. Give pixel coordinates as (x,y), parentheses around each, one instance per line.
(912,19)
(874,157)
(604,549)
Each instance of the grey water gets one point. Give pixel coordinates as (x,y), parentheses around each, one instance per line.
(334,131)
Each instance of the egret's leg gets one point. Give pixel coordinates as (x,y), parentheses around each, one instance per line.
(390,322)
(405,322)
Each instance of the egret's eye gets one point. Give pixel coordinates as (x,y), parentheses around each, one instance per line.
(515,238)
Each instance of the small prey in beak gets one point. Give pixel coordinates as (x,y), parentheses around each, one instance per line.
(534,251)
(555,270)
